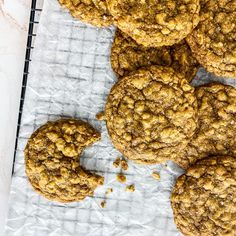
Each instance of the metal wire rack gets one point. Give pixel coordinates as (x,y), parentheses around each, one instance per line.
(67,73)
(36,8)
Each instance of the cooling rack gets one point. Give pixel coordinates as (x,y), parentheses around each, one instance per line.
(36,8)
(67,73)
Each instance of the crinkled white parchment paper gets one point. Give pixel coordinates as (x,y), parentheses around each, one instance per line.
(70,76)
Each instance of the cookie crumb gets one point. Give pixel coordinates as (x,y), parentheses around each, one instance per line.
(124,164)
(116,163)
(108,191)
(130,188)
(101,116)
(121,178)
(103,204)
(156,175)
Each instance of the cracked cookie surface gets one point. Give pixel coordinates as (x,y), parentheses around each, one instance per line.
(94,12)
(128,56)
(216,130)
(204,199)
(155,23)
(213,41)
(52,160)
(151,114)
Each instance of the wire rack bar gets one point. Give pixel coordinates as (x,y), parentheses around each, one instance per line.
(29,48)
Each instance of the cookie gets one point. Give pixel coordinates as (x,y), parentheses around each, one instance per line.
(216,124)
(155,23)
(213,41)
(204,199)
(94,12)
(52,160)
(128,56)
(151,114)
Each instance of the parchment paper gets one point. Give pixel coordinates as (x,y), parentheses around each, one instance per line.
(70,76)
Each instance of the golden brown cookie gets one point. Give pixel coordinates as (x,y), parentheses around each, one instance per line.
(216,130)
(213,41)
(128,56)
(52,160)
(155,23)
(151,114)
(94,12)
(204,199)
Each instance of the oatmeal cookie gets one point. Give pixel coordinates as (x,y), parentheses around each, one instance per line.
(216,124)
(52,162)
(151,114)
(155,23)
(128,56)
(204,199)
(213,41)
(94,12)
